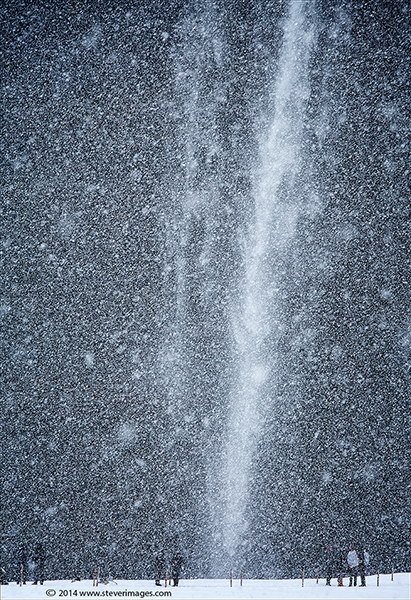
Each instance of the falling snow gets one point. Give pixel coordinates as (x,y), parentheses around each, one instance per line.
(205,306)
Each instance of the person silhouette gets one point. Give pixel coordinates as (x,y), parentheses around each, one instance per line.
(364,562)
(353,561)
(159,566)
(39,560)
(176,565)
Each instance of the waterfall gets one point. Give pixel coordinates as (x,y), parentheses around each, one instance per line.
(208,160)
(274,222)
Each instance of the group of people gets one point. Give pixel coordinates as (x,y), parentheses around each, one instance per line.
(164,568)
(336,565)
(35,562)
(353,564)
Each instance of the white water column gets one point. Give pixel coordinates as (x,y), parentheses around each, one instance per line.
(272,227)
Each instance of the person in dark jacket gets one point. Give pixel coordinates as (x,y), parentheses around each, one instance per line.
(362,569)
(341,567)
(159,566)
(176,566)
(39,560)
(329,564)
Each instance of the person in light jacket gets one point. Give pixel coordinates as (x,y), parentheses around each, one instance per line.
(353,561)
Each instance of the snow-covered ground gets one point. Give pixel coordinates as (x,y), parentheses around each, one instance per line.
(399,588)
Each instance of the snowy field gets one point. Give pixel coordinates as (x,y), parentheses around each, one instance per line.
(400,589)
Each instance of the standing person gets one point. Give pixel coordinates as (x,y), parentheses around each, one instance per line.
(353,561)
(159,566)
(176,565)
(39,560)
(341,567)
(364,562)
(329,564)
